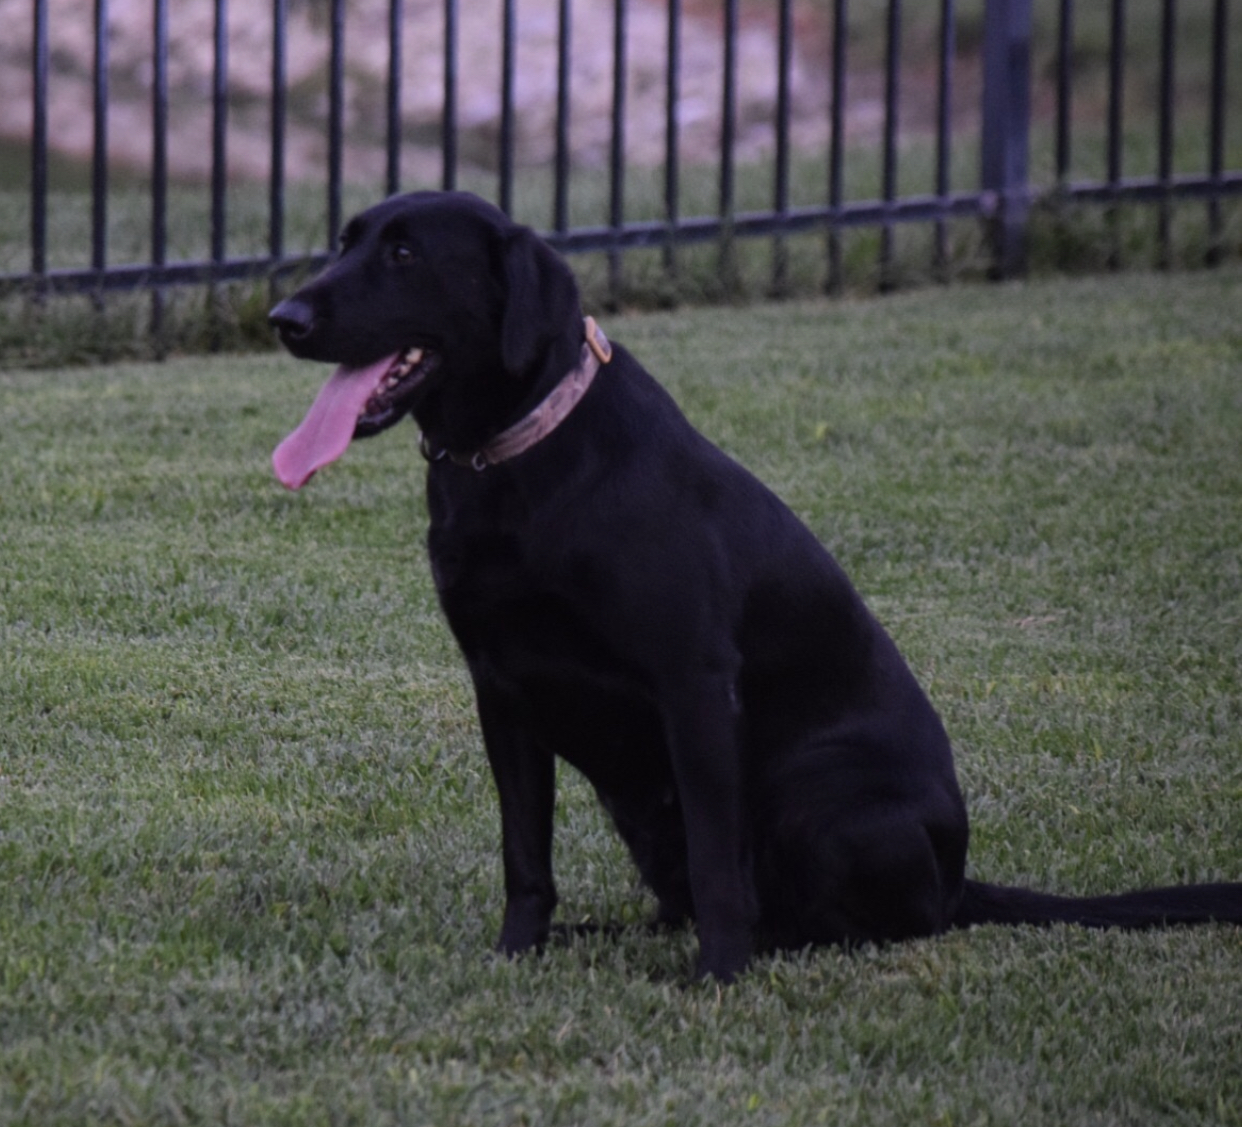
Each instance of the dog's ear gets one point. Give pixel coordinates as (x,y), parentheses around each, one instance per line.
(541,299)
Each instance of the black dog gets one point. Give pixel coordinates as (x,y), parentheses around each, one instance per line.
(630,599)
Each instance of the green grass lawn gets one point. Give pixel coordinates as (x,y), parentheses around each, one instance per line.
(248,842)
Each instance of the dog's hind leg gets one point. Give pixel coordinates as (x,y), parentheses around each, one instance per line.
(872,881)
(653,830)
(840,863)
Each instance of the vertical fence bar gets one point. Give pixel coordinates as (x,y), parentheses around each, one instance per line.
(1216,132)
(159,165)
(836,147)
(780,187)
(219,131)
(448,127)
(38,147)
(1065,88)
(944,131)
(888,191)
(219,169)
(99,155)
(1164,210)
(507,119)
(276,180)
(392,170)
(672,146)
(616,163)
(1116,80)
(726,204)
(336,120)
(1006,128)
(561,159)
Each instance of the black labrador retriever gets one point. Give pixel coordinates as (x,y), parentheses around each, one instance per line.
(632,600)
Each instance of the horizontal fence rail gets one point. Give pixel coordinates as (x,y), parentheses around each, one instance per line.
(986,103)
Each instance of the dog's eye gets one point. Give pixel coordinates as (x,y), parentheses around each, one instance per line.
(402,254)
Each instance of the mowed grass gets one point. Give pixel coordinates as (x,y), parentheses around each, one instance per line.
(249,860)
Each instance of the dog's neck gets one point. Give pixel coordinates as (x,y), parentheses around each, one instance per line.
(541,421)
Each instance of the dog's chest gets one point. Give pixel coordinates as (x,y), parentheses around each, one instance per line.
(473,570)
(495,552)
(528,621)
(510,587)
(536,620)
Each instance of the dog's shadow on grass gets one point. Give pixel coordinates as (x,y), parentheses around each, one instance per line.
(661,953)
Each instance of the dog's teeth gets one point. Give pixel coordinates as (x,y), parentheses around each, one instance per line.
(402,367)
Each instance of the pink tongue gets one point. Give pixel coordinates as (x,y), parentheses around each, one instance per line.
(329,424)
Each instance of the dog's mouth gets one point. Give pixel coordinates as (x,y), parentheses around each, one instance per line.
(394,394)
(354,403)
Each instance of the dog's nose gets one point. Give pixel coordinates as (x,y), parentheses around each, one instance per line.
(292,318)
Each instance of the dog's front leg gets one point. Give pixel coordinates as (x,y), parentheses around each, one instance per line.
(525,776)
(707,762)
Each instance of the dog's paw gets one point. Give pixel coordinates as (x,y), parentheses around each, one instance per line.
(721,960)
(520,939)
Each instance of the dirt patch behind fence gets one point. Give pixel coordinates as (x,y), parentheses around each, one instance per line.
(131,74)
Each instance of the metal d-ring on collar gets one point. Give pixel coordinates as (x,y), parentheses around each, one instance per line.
(545,418)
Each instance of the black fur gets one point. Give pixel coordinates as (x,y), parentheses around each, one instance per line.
(633,601)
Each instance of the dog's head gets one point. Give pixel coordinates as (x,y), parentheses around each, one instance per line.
(438,305)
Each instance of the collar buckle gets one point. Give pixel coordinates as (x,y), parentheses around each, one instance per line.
(596,341)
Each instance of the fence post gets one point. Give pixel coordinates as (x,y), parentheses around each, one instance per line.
(1006,128)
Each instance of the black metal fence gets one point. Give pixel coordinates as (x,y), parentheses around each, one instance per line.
(966,82)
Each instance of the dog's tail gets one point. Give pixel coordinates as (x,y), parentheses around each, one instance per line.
(1151,907)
